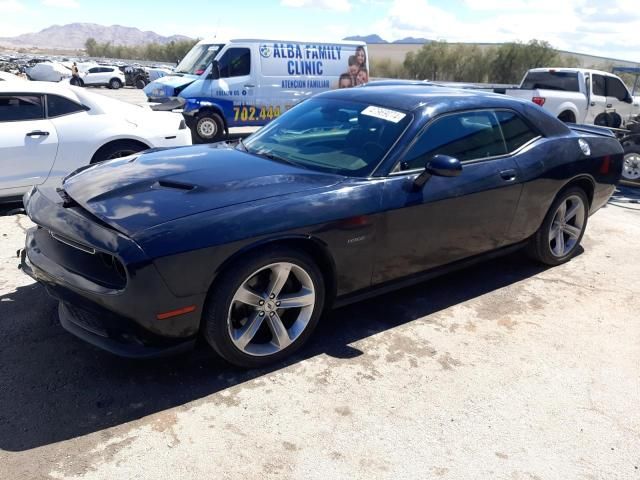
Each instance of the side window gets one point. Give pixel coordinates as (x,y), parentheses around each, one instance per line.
(615,88)
(515,131)
(235,62)
(465,136)
(599,85)
(93,70)
(15,108)
(58,106)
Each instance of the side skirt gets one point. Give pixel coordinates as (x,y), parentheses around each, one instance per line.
(424,276)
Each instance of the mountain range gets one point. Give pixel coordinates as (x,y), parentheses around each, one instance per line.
(74,36)
(375,39)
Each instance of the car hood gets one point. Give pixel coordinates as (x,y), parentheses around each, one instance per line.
(168,84)
(142,191)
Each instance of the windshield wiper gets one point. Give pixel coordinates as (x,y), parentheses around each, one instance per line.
(242,145)
(271,156)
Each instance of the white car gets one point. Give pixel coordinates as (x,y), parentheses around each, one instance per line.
(6,76)
(47,130)
(102,76)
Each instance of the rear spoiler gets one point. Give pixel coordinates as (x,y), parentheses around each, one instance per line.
(592,129)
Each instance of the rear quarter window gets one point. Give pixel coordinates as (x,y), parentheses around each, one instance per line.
(58,106)
(515,130)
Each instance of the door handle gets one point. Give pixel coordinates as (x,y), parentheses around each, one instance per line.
(37,133)
(508,175)
(249,85)
(593,104)
(609,105)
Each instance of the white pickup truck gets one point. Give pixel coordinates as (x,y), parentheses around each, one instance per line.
(577,95)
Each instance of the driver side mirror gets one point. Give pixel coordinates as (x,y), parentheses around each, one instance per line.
(214,74)
(440,166)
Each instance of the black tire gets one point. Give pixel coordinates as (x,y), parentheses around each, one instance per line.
(631,167)
(215,320)
(139,83)
(539,247)
(567,117)
(118,149)
(208,128)
(115,84)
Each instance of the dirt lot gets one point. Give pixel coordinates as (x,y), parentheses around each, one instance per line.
(503,371)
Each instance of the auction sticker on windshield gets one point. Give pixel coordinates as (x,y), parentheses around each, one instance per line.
(384,113)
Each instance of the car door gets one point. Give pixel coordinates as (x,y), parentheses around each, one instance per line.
(619,100)
(91,75)
(236,87)
(451,218)
(28,142)
(598,101)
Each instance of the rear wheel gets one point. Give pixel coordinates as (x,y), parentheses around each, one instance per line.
(209,127)
(631,167)
(557,240)
(264,307)
(567,117)
(140,83)
(117,149)
(115,84)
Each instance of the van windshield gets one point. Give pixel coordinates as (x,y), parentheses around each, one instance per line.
(198,59)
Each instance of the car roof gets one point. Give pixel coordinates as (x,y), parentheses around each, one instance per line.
(35,87)
(411,97)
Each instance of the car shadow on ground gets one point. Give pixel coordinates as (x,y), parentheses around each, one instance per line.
(56,387)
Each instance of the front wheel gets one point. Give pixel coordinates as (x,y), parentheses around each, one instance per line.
(115,84)
(208,128)
(631,167)
(264,307)
(557,240)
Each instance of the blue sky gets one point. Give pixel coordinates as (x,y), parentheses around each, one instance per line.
(607,28)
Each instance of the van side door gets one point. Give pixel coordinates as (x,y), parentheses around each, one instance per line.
(235,90)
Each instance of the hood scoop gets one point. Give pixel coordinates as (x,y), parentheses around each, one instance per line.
(187,187)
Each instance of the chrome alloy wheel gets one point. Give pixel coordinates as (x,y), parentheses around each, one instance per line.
(567,225)
(207,128)
(631,167)
(271,309)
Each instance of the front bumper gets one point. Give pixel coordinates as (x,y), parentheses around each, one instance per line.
(116,314)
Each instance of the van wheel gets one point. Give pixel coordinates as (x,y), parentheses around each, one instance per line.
(209,127)
(115,84)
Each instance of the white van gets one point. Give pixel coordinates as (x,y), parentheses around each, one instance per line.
(248,82)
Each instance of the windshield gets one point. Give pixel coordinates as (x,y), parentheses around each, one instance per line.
(334,136)
(198,59)
(565,81)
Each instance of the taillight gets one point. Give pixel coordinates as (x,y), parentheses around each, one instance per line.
(539,100)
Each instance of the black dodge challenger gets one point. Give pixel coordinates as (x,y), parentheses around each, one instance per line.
(348,194)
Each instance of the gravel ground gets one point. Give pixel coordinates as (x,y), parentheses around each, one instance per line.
(503,371)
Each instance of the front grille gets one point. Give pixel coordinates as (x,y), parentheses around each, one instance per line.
(100,268)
